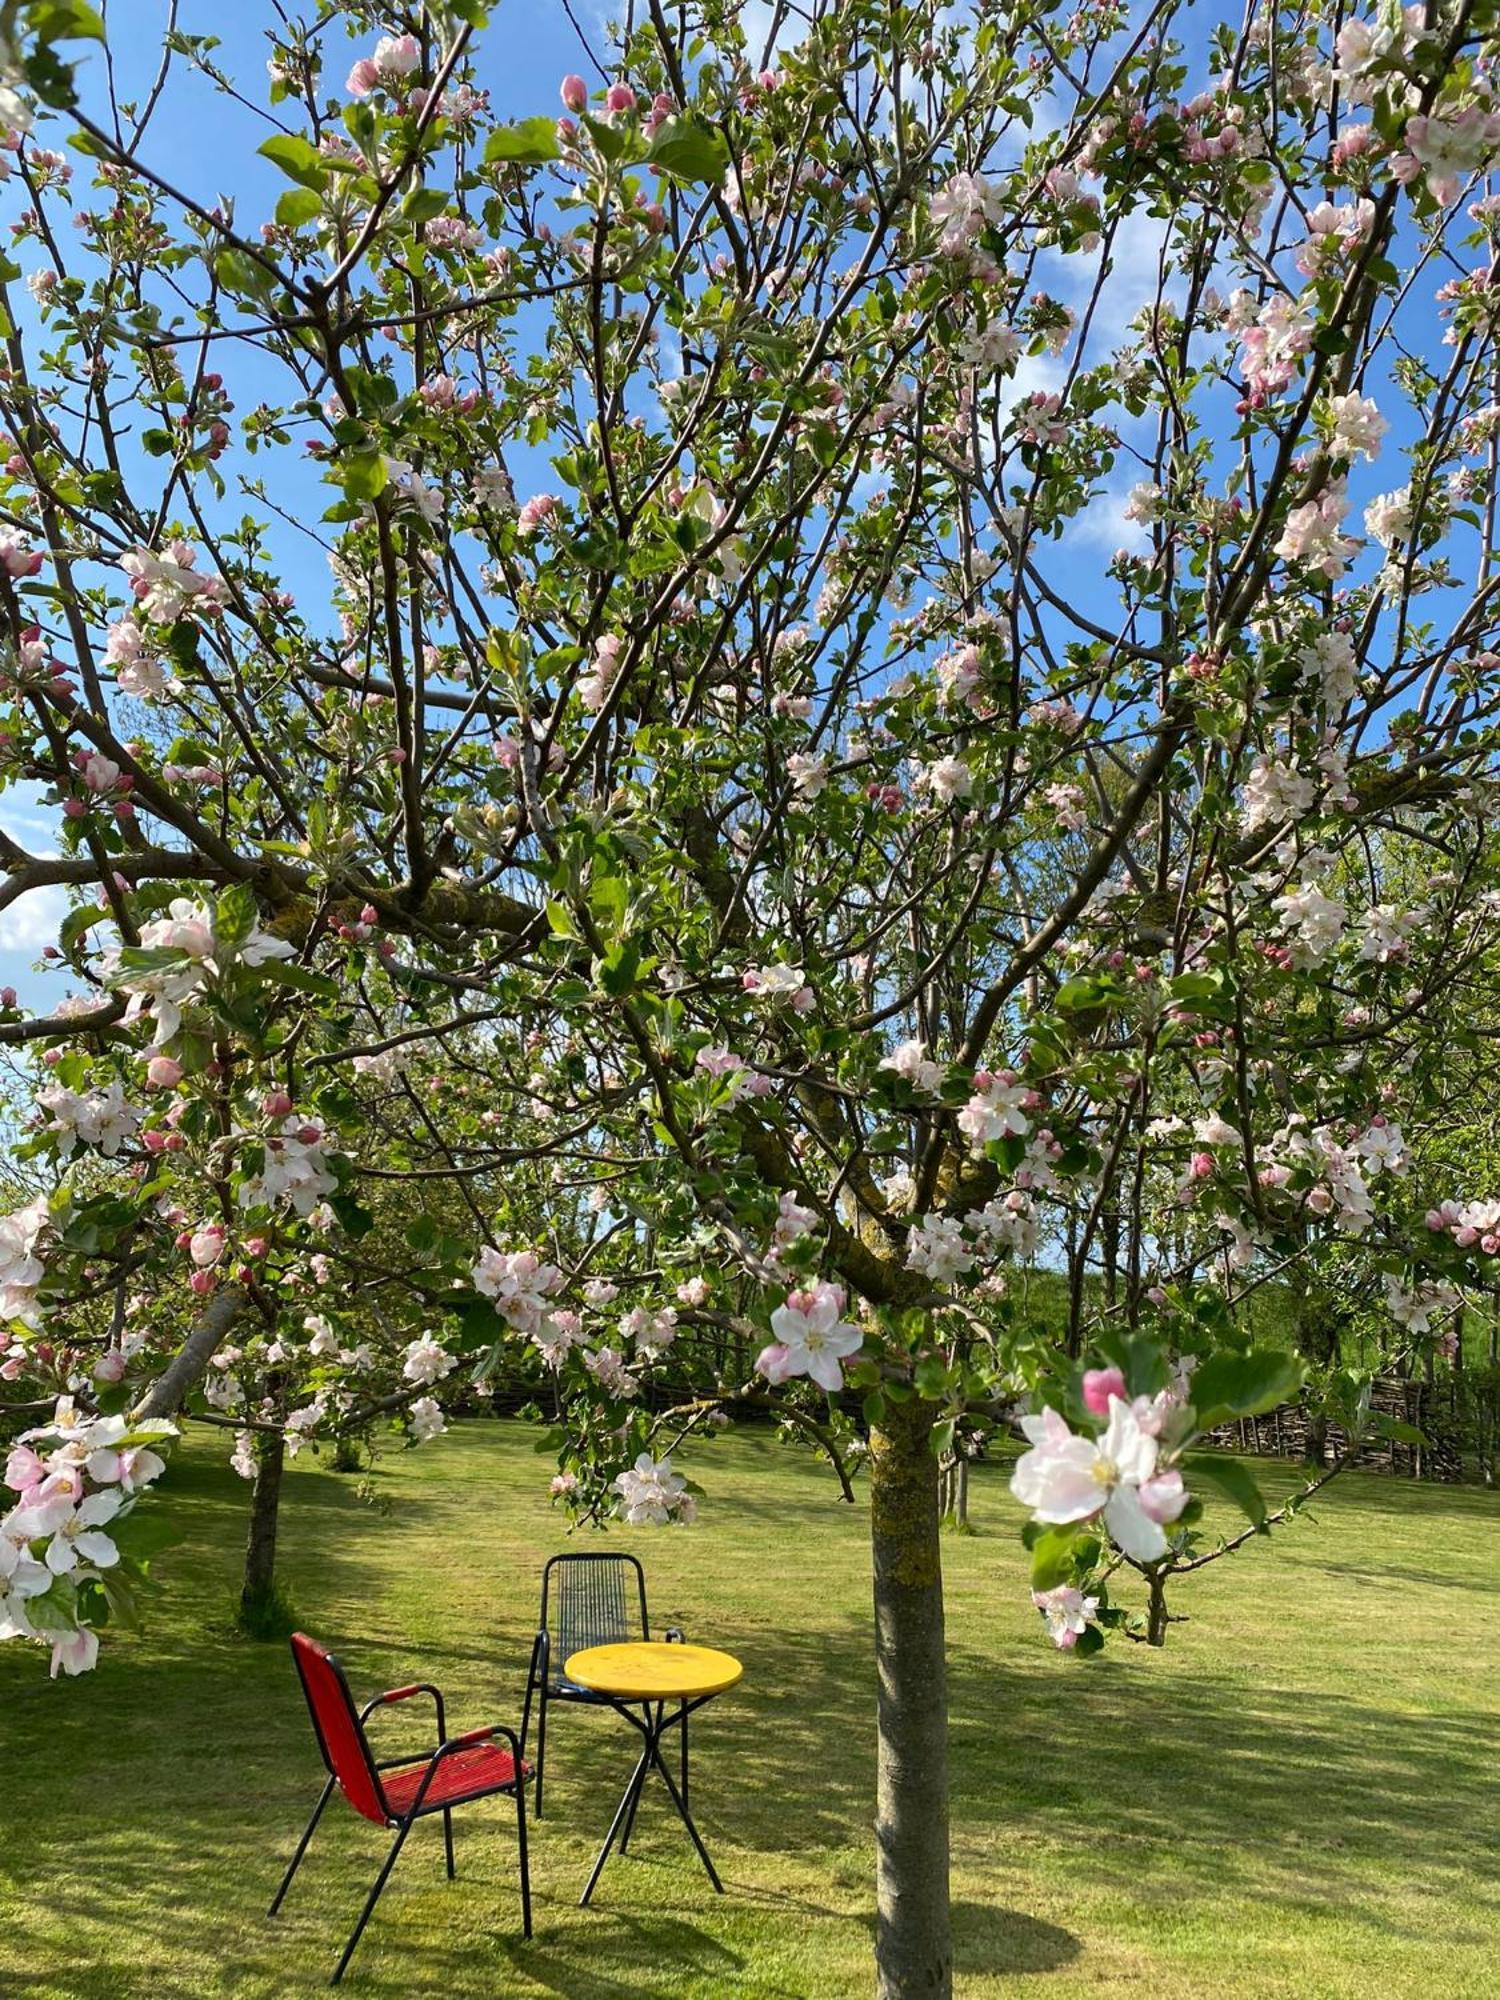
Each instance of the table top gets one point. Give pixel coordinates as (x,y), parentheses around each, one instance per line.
(653,1670)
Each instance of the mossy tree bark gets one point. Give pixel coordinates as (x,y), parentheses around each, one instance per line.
(913,1941)
(265,1507)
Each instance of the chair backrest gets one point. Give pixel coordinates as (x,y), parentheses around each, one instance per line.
(336,1724)
(587,1601)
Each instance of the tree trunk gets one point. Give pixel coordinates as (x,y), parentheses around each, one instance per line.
(260,1546)
(1315,1446)
(913,1943)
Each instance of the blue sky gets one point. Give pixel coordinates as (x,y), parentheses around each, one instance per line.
(206,145)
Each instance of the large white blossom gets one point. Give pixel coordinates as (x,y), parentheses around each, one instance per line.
(811,1338)
(1065,1478)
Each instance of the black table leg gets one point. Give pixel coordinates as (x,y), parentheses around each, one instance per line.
(686,1817)
(627,1805)
(652,1730)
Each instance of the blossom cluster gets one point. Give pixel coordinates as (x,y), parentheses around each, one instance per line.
(75,1479)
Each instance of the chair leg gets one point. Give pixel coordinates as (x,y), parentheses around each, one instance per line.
(541,1750)
(684,1753)
(525,1865)
(296,1860)
(372,1899)
(448,1840)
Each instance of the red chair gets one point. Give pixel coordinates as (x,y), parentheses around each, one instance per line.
(401,1790)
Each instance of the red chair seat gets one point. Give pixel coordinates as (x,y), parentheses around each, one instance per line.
(465,1774)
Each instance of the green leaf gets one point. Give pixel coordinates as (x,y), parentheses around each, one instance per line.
(1053,1556)
(619,969)
(242,274)
(298,159)
(531,141)
(931,1377)
(422,1236)
(1233,1479)
(234,915)
(1191,986)
(1076,994)
(298,205)
(364,474)
(355,1217)
(688,150)
(283,972)
(1242,1385)
(64,20)
(56,1608)
(423,203)
(76,922)
(482,1325)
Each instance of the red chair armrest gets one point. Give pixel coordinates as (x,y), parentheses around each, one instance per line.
(400,1694)
(465,1742)
(469,1736)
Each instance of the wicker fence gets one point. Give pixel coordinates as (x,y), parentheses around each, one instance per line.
(1459,1420)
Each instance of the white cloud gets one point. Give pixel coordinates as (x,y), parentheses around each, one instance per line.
(1102,525)
(33,919)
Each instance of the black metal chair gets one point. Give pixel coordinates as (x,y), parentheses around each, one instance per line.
(587,1600)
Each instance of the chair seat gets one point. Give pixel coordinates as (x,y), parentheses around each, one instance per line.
(466,1774)
(559,1689)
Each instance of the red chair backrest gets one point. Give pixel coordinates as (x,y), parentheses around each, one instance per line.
(337,1727)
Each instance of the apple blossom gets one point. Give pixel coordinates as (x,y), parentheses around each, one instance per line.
(811,1339)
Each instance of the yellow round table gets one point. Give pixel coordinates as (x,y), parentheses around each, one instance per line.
(652,1675)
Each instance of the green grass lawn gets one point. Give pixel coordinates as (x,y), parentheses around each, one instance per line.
(1300,1796)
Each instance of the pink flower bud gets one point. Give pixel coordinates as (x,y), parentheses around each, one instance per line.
(110,1367)
(309,1134)
(154,1142)
(164,1072)
(276,1104)
(203,1283)
(574,94)
(1201,1166)
(619,97)
(369,914)
(1099,1384)
(7,996)
(771,1362)
(1162,1497)
(257,1246)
